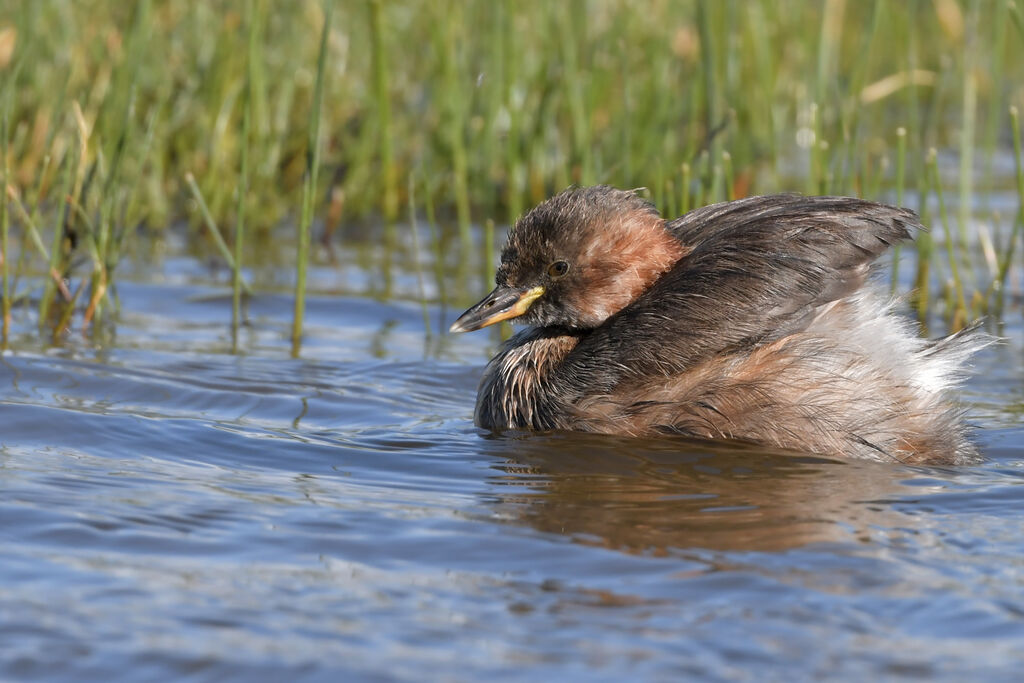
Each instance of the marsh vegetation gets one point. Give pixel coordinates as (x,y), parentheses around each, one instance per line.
(260,131)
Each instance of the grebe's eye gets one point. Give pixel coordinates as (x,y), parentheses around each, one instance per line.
(558,269)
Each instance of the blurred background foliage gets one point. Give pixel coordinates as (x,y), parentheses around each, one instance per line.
(503,101)
(474,111)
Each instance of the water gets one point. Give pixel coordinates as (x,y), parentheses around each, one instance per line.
(174,512)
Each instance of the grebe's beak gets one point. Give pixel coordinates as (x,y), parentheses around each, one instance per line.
(501,304)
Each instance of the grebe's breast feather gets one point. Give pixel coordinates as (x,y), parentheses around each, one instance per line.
(515,390)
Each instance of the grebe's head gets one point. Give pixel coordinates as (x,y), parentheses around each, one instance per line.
(577,259)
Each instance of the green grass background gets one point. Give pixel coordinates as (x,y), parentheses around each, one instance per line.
(467,113)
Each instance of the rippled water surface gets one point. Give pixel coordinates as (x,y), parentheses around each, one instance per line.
(174,512)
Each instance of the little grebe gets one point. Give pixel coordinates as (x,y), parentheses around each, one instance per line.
(743,320)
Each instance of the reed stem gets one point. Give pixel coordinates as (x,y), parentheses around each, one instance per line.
(57,244)
(489,256)
(243,179)
(455,129)
(730,189)
(5,253)
(999,283)
(309,185)
(967,130)
(1015,15)
(684,190)
(414,227)
(381,89)
(901,176)
(437,240)
(1018,160)
(37,241)
(708,80)
(211,225)
(959,313)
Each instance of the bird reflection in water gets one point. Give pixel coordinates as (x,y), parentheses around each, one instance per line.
(664,496)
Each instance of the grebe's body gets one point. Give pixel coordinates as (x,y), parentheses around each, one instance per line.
(747,320)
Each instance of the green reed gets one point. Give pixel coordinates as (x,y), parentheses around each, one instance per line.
(414,228)
(969,97)
(513,161)
(216,236)
(815,173)
(925,247)
(684,188)
(113,185)
(436,238)
(490,254)
(901,176)
(998,285)
(309,185)
(7,295)
(957,308)
(1015,15)
(730,181)
(5,227)
(996,68)
(708,73)
(454,109)
(850,111)
(251,60)
(1018,160)
(381,90)
(572,23)
(56,262)
(30,229)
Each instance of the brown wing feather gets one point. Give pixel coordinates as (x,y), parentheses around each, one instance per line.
(760,269)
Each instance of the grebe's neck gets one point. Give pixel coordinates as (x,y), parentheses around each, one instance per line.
(516,391)
(632,253)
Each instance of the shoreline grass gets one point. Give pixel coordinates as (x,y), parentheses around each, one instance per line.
(496,106)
